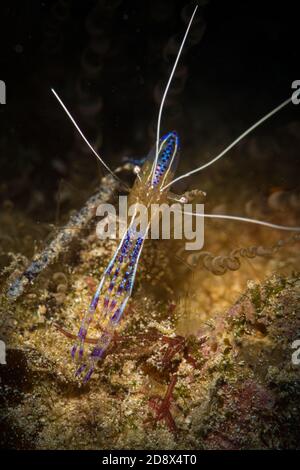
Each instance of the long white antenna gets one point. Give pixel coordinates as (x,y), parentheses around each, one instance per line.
(236,141)
(80,132)
(166,91)
(245,219)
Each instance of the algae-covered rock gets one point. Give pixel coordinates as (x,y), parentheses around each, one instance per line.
(235,384)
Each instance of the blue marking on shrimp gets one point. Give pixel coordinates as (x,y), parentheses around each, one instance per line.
(115,304)
(89,315)
(118,279)
(168,149)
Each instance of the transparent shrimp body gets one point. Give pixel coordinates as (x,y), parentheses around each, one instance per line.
(117,282)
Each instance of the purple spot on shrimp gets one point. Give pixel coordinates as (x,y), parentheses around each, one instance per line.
(116,272)
(88,375)
(128,285)
(73,351)
(116,316)
(111,286)
(109,269)
(82,333)
(94,303)
(80,370)
(120,289)
(97,352)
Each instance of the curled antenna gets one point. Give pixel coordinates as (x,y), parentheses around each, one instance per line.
(82,135)
(245,219)
(166,91)
(236,141)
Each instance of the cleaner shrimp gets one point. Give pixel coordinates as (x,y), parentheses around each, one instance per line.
(152,186)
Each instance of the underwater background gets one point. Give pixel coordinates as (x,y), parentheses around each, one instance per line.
(206,339)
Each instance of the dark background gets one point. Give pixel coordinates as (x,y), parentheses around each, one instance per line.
(109,61)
